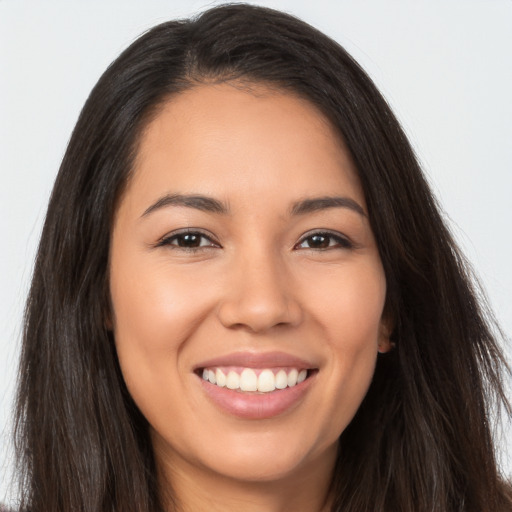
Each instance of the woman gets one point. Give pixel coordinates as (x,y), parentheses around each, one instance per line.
(245,297)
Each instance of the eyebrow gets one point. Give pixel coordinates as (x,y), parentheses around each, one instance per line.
(203,203)
(208,204)
(323,203)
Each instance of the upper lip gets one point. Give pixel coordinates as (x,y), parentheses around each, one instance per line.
(257,360)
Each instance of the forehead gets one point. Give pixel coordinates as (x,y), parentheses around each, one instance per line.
(225,140)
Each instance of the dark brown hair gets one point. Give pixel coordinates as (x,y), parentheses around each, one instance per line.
(422,438)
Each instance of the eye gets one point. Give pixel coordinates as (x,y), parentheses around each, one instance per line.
(324,240)
(187,240)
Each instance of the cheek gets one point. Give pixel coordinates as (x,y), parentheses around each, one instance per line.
(154,316)
(349,303)
(356,328)
(155,311)
(349,315)
(153,307)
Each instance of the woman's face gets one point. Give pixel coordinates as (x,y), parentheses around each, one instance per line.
(242,256)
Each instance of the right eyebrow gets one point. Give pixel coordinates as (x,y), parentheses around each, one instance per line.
(203,203)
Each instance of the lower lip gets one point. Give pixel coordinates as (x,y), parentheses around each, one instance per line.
(257,406)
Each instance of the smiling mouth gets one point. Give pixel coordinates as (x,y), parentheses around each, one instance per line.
(255,380)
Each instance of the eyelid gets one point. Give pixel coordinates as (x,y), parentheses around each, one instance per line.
(344,241)
(168,237)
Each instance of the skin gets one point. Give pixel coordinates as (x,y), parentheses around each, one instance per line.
(255,285)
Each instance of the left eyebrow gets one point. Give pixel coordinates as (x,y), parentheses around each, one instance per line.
(323,203)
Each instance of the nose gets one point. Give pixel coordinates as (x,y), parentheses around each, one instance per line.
(260,295)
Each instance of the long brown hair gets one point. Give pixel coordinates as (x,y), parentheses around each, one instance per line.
(422,438)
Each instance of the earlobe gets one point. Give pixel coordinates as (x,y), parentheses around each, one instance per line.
(385,344)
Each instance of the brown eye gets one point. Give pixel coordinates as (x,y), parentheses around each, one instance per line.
(319,241)
(188,240)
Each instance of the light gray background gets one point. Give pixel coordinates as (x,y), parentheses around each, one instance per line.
(444,65)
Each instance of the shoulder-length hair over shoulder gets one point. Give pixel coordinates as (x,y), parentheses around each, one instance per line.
(421,440)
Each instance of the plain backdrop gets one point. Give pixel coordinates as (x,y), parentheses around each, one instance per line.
(445,66)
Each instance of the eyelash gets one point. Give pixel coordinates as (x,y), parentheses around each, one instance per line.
(176,237)
(341,242)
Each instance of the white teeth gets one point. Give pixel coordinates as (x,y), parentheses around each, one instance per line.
(220,378)
(292,378)
(249,381)
(281,379)
(233,380)
(266,381)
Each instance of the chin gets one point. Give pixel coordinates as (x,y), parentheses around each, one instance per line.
(259,469)
(268,457)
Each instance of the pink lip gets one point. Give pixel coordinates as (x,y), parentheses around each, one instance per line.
(257,406)
(255,360)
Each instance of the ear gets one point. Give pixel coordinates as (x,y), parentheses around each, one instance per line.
(108,322)
(384,343)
